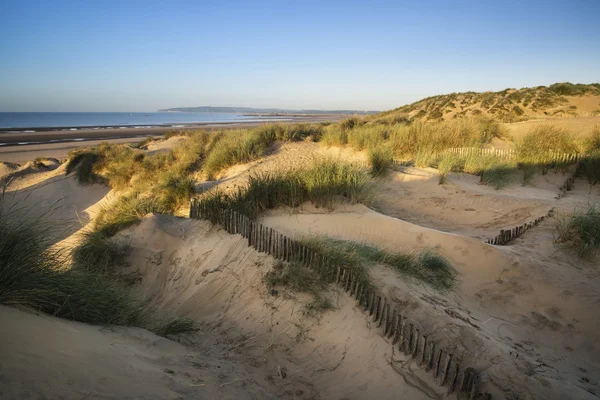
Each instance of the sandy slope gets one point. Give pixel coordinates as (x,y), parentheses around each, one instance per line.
(192,269)
(526,300)
(462,205)
(524,314)
(580,126)
(49,358)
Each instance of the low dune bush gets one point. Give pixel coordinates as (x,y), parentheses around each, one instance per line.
(235,147)
(350,123)
(528,173)
(244,145)
(175,326)
(114,164)
(580,231)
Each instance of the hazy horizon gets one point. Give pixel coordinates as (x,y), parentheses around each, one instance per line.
(141,56)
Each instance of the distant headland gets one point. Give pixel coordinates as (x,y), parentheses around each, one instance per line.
(263,111)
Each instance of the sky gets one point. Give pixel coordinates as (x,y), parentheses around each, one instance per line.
(367,55)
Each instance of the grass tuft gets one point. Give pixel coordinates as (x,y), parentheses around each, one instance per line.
(425,266)
(580,232)
(299,278)
(380,159)
(33,275)
(538,144)
(323,183)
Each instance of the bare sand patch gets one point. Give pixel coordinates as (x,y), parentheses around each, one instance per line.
(47,357)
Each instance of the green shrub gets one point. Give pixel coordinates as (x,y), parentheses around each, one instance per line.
(350,123)
(124,212)
(581,232)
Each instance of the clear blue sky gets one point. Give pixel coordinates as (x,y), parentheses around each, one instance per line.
(143,55)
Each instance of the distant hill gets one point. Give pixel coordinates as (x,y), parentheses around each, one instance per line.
(250,110)
(509,105)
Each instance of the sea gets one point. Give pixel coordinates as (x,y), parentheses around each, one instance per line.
(33,121)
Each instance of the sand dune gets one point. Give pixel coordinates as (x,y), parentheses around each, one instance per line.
(50,358)
(524,314)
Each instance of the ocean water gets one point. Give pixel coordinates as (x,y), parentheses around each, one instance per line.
(74,120)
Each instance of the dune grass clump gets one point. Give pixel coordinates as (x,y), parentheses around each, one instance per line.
(367,137)
(580,232)
(333,135)
(114,164)
(447,163)
(244,145)
(323,183)
(33,275)
(98,252)
(497,175)
(434,137)
(82,164)
(425,266)
(380,159)
(528,173)
(537,145)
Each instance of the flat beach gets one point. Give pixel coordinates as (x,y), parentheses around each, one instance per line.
(23,146)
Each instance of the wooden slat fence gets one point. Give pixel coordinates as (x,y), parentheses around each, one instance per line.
(401,331)
(550,156)
(508,235)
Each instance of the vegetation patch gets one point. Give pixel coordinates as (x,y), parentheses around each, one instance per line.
(580,232)
(323,183)
(537,146)
(425,266)
(33,275)
(381,159)
(298,278)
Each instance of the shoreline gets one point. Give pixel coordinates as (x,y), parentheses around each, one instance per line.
(37,129)
(20,147)
(39,136)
